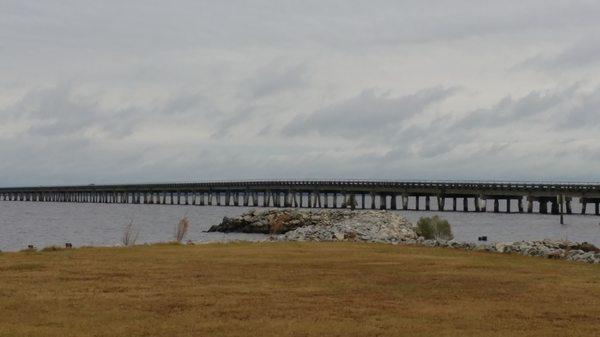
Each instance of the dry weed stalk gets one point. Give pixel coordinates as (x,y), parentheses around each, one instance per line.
(182,228)
(130,235)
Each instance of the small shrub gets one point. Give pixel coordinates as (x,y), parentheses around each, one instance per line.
(182,228)
(52,249)
(434,228)
(130,235)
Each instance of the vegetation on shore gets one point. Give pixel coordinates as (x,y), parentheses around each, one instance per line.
(434,228)
(294,289)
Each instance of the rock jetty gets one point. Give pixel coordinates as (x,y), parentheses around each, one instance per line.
(383,227)
(322,225)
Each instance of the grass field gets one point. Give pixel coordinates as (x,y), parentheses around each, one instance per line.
(294,289)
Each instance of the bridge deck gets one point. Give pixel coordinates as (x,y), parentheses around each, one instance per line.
(475,195)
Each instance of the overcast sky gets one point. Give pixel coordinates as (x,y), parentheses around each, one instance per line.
(190,90)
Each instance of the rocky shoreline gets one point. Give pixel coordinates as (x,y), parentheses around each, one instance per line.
(383,227)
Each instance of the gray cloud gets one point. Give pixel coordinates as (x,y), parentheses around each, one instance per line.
(275,78)
(58,111)
(511,111)
(579,56)
(583,113)
(367,115)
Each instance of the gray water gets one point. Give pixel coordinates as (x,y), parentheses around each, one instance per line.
(45,224)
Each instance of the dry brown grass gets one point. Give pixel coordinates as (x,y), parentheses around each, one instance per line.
(294,289)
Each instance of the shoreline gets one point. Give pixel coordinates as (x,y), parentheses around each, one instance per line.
(363,226)
(500,248)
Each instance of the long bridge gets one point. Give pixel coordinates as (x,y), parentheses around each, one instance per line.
(466,196)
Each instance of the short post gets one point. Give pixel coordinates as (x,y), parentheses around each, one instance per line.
(561,200)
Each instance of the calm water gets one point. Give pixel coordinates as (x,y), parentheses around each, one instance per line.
(44,224)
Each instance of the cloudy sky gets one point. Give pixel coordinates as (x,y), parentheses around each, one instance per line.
(188,90)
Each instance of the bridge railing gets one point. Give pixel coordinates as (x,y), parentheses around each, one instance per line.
(553,185)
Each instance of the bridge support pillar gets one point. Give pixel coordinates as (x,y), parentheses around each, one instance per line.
(508,204)
(393,205)
(520,204)
(465,204)
(427,203)
(351,200)
(496,205)
(543,206)
(417,202)
(583,205)
(569,209)
(529,204)
(441,201)
(597,208)
(405,202)
(555,207)
(382,201)
(335,200)
(454,204)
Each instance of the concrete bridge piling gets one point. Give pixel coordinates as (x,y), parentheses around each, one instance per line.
(553,198)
